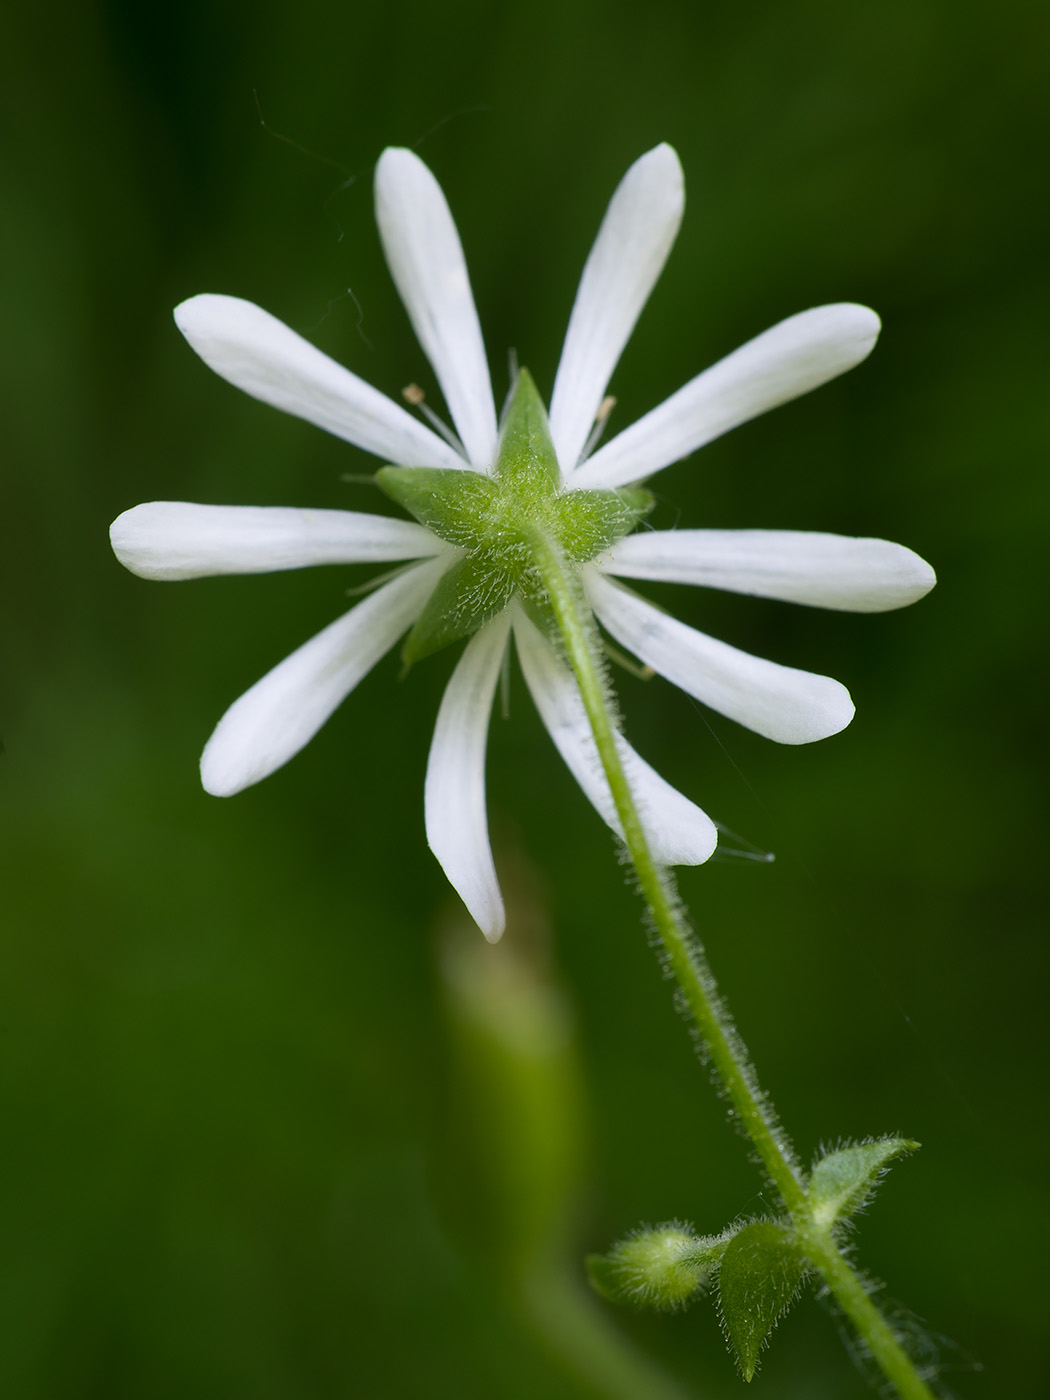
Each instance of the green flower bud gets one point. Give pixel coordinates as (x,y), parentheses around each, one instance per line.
(665,1267)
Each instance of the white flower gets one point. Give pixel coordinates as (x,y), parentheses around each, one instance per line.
(283,711)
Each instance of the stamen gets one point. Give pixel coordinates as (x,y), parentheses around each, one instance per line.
(504,684)
(416,398)
(600,419)
(627,663)
(363,588)
(746,851)
(512,381)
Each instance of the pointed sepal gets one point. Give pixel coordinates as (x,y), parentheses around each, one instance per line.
(456,505)
(762,1270)
(467,595)
(526,454)
(590,522)
(841,1182)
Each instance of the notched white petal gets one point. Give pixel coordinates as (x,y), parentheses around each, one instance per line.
(454,794)
(426,261)
(796,566)
(628,256)
(281,713)
(179,540)
(792,358)
(679,832)
(257,353)
(792,707)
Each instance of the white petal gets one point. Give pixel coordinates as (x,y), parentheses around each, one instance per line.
(628,256)
(176,540)
(454,796)
(799,354)
(679,832)
(259,354)
(793,707)
(270,723)
(797,566)
(426,261)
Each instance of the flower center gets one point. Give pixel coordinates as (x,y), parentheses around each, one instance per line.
(495,521)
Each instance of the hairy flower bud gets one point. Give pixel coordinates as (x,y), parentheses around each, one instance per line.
(665,1267)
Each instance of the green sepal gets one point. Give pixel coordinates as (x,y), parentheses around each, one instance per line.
(588,522)
(665,1268)
(843,1181)
(526,454)
(454,504)
(761,1271)
(467,596)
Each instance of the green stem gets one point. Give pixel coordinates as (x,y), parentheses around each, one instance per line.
(688,963)
(855,1301)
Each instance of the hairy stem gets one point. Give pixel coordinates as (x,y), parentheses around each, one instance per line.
(688,963)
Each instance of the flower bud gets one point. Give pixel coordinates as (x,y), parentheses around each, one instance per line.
(664,1267)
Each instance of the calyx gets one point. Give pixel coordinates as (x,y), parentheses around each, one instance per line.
(494,521)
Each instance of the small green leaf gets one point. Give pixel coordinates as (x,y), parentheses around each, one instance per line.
(757,1283)
(843,1181)
(664,1268)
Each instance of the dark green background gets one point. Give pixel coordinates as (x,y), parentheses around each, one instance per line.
(225,1078)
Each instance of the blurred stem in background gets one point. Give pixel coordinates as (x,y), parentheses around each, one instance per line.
(516,1136)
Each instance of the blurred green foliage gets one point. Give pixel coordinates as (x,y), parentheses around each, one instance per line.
(225,1086)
